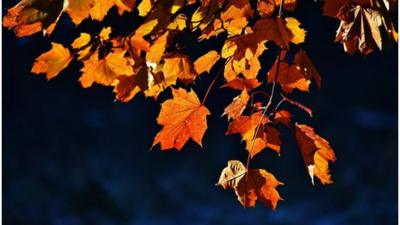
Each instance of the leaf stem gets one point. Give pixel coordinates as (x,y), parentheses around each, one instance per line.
(264,111)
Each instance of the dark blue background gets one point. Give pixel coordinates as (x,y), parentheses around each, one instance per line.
(72,156)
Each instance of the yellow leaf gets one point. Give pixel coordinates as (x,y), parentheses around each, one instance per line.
(81,41)
(144,7)
(299,34)
(53,61)
(105,33)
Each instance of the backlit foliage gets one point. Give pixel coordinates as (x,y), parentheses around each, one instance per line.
(148,61)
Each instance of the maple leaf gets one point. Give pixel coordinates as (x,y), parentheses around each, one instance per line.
(237,106)
(250,186)
(247,126)
(104,71)
(360,29)
(289,77)
(267,7)
(31,16)
(244,52)
(78,10)
(125,88)
(179,66)
(53,61)
(182,117)
(316,152)
(281,31)
(241,83)
(206,62)
(305,65)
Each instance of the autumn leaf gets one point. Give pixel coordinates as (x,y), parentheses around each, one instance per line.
(250,186)
(124,5)
(81,41)
(206,62)
(237,106)
(305,65)
(289,77)
(52,62)
(281,31)
(182,117)
(31,16)
(232,174)
(316,152)
(125,88)
(179,66)
(283,116)
(104,71)
(78,10)
(257,131)
(266,8)
(241,84)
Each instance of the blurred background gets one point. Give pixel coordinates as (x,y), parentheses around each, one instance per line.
(73,156)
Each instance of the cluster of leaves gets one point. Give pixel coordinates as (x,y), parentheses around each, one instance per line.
(148,61)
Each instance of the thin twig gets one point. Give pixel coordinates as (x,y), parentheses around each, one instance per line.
(214,80)
(264,111)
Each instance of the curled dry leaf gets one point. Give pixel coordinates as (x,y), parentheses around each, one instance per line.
(237,106)
(250,186)
(182,117)
(52,62)
(317,153)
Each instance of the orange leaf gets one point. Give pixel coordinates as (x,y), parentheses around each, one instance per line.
(240,84)
(53,61)
(206,62)
(237,106)
(104,71)
(100,9)
(267,136)
(281,31)
(126,88)
(289,77)
(267,7)
(182,117)
(283,116)
(307,67)
(157,49)
(78,10)
(29,17)
(179,66)
(124,5)
(250,186)
(317,153)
